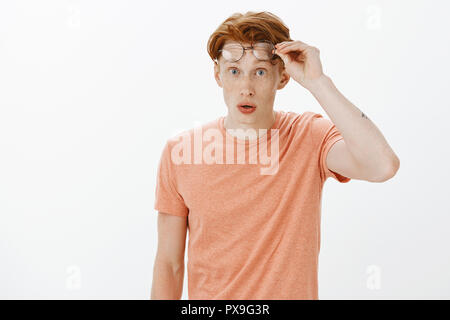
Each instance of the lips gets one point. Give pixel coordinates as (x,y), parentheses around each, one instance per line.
(246,104)
(246,108)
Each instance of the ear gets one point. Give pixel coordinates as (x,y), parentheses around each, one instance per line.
(284,79)
(217,74)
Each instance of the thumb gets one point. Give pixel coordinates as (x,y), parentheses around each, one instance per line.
(285,57)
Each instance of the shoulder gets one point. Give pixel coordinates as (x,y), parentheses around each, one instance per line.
(300,121)
(317,123)
(292,117)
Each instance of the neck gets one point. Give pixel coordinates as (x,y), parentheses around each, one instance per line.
(265,123)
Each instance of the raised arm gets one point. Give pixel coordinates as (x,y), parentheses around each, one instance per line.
(364,152)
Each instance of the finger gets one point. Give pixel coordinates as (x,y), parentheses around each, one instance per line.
(293,46)
(280,45)
(285,43)
(285,57)
(298,49)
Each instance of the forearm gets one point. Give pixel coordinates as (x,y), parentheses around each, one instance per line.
(363,139)
(167,281)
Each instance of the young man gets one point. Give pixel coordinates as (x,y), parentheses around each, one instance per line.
(254,219)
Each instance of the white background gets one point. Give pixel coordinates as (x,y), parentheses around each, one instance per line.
(91,90)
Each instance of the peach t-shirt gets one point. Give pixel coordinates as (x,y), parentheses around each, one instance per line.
(251,235)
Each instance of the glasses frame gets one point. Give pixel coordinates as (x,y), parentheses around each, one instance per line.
(272,47)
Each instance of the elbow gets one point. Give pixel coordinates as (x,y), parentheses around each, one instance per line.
(388,172)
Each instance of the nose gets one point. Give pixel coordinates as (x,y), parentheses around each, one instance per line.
(247,88)
(246,79)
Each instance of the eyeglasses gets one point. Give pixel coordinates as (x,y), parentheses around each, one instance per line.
(262,50)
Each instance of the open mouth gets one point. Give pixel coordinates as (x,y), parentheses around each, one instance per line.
(246,108)
(246,105)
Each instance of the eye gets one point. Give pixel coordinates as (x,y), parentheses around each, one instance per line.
(232,69)
(263,70)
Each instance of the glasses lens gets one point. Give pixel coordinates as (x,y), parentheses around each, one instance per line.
(263,50)
(232,52)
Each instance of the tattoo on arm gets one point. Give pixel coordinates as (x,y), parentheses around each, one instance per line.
(363,115)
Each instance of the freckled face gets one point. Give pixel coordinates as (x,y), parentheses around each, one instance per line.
(248,79)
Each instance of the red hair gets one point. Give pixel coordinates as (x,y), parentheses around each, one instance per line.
(249,27)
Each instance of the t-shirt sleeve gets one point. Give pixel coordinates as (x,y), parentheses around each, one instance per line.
(325,134)
(167,197)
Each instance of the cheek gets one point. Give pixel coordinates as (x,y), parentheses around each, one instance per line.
(229,86)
